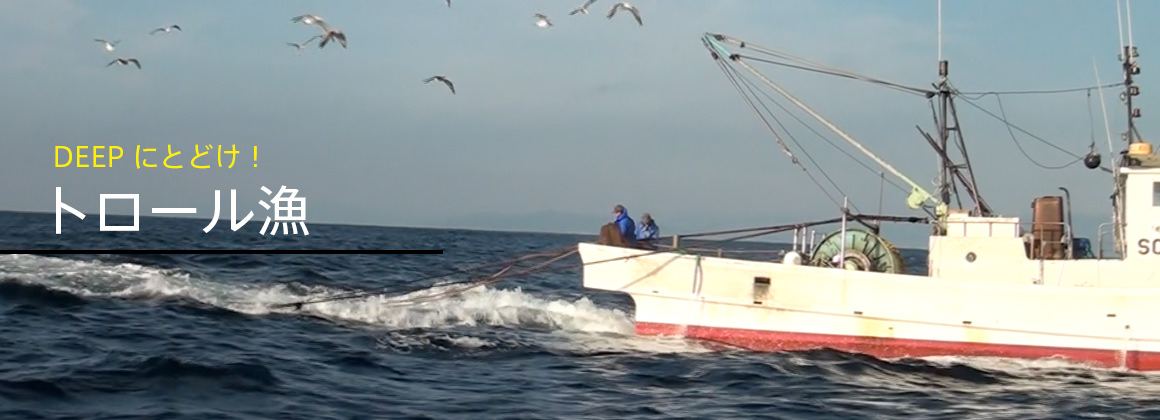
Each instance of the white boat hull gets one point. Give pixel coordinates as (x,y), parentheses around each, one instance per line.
(880,314)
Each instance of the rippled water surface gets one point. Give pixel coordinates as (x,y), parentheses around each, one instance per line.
(194,337)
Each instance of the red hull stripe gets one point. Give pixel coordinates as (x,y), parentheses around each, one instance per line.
(887,348)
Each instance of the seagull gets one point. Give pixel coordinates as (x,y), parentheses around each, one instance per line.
(310,19)
(124,62)
(166,29)
(441,79)
(109,46)
(583,9)
(542,21)
(624,5)
(333,34)
(448,3)
(300,46)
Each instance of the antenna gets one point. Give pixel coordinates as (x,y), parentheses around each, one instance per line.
(1128,7)
(1117,232)
(1120,24)
(1128,58)
(940,29)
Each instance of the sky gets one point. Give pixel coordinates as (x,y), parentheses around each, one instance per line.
(549,128)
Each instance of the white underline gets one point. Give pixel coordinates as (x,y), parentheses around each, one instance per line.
(175,210)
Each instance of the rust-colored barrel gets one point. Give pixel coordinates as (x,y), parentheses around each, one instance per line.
(1047,226)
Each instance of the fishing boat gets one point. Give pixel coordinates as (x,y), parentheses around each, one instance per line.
(995,286)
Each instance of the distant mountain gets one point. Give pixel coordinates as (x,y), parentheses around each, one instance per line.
(902,235)
(589,224)
(538,221)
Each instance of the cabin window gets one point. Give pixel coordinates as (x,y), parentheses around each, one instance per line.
(1156,194)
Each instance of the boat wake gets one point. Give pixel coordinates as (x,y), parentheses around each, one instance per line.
(515,320)
(576,326)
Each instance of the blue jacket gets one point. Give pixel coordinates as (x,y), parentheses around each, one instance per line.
(647,231)
(627,227)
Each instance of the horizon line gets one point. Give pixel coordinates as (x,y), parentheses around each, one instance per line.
(594,233)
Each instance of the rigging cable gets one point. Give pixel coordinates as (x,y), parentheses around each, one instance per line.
(725,68)
(822,68)
(809,65)
(827,140)
(750,86)
(1091,123)
(831,126)
(1009,125)
(1020,147)
(977,95)
(892,85)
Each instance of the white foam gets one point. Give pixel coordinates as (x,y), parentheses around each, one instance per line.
(577,325)
(1010,365)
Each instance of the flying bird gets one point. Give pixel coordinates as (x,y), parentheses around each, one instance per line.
(583,9)
(310,19)
(124,62)
(441,79)
(166,29)
(630,8)
(109,46)
(304,44)
(448,3)
(542,21)
(335,34)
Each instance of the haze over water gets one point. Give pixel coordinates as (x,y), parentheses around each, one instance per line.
(192,337)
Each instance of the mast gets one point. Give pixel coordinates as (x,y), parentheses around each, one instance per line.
(1127,56)
(950,171)
(944,178)
(944,93)
(1130,90)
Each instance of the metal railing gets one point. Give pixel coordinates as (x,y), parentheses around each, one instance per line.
(1027,231)
(1100,233)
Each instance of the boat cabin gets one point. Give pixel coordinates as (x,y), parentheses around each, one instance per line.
(1142,207)
(981,247)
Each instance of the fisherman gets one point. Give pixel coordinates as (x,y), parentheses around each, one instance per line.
(647,232)
(621,231)
(625,223)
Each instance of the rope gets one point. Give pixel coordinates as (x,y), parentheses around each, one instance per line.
(556,256)
(737,58)
(765,230)
(780,142)
(808,65)
(978,95)
(360,294)
(750,86)
(469,284)
(1009,125)
(825,139)
(840,132)
(821,68)
(905,89)
(735,76)
(725,251)
(1020,147)
(698,277)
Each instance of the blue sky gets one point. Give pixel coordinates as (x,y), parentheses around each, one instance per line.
(559,123)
